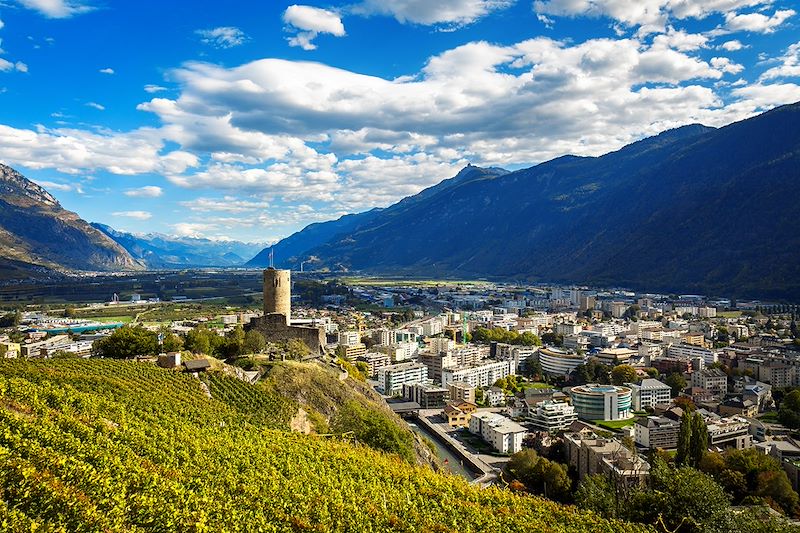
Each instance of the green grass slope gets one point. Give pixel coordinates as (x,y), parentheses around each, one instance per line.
(122,446)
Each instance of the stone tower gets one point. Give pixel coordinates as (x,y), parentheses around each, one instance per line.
(278,292)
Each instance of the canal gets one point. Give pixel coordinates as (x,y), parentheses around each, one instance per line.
(449,460)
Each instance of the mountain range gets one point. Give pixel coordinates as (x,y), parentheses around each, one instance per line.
(694,209)
(159,251)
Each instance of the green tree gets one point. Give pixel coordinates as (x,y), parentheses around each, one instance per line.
(375,429)
(676,381)
(623,374)
(127,342)
(172,343)
(198,340)
(699,441)
(254,342)
(539,475)
(3,350)
(598,493)
(684,440)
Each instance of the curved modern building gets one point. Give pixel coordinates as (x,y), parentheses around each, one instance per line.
(558,362)
(601,402)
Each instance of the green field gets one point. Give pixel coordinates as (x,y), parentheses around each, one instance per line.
(729,314)
(614,425)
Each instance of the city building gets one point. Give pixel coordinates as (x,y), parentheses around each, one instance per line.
(494,397)
(601,402)
(392,378)
(503,434)
(557,362)
(458,413)
(483,374)
(460,391)
(689,351)
(616,356)
(589,454)
(732,432)
(649,393)
(713,380)
(552,416)
(427,396)
(657,432)
(375,361)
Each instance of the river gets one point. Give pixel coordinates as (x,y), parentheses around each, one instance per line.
(450,461)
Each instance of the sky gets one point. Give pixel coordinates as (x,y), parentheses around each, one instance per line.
(249,120)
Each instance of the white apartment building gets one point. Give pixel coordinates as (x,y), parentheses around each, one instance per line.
(503,434)
(384,336)
(568,328)
(392,378)
(441,344)
(552,416)
(689,351)
(559,363)
(483,374)
(349,338)
(649,393)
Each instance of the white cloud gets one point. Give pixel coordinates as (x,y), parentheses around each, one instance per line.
(309,22)
(150,88)
(222,37)
(456,12)
(724,64)
(95,105)
(228,204)
(149,191)
(680,40)
(757,22)
(2,24)
(732,46)
(649,15)
(57,8)
(193,229)
(138,215)
(53,186)
(789,65)
(8,66)
(107,70)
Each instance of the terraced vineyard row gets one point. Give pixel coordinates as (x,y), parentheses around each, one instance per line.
(116,446)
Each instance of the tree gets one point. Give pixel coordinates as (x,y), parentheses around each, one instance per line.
(676,381)
(685,403)
(198,340)
(127,342)
(597,493)
(699,442)
(623,374)
(684,440)
(296,349)
(539,475)
(172,343)
(254,342)
(3,350)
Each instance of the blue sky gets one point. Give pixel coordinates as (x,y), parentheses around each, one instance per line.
(250,120)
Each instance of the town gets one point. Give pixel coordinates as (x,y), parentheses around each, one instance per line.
(592,381)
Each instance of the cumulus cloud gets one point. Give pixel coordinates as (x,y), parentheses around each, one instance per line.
(151,88)
(107,70)
(222,37)
(454,12)
(757,22)
(8,66)
(308,22)
(57,9)
(149,191)
(724,64)
(788,67)
(138,215)
(649,15)
(732,46)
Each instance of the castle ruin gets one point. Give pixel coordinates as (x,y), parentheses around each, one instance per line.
(275,325)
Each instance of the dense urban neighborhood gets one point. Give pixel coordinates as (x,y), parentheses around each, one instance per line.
(578,394)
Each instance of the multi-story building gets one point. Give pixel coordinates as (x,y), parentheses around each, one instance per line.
(392,378)
(567,328)
(657,432)
(589,454)
(384,336)
(557,362)
(462,392)
(503,434)
(494,397)
(436,362)
(427,396)
(713,380)
(483,374)
(616,356)
(458,413)
(733,432)
(649,393)
(601,402)
(351,352)
(552,416)
(375,361)
(13,349)
(689,351)
(349,338)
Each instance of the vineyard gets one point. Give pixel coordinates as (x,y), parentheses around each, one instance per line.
(123,446)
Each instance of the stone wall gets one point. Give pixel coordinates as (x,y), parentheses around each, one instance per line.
(274,328)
